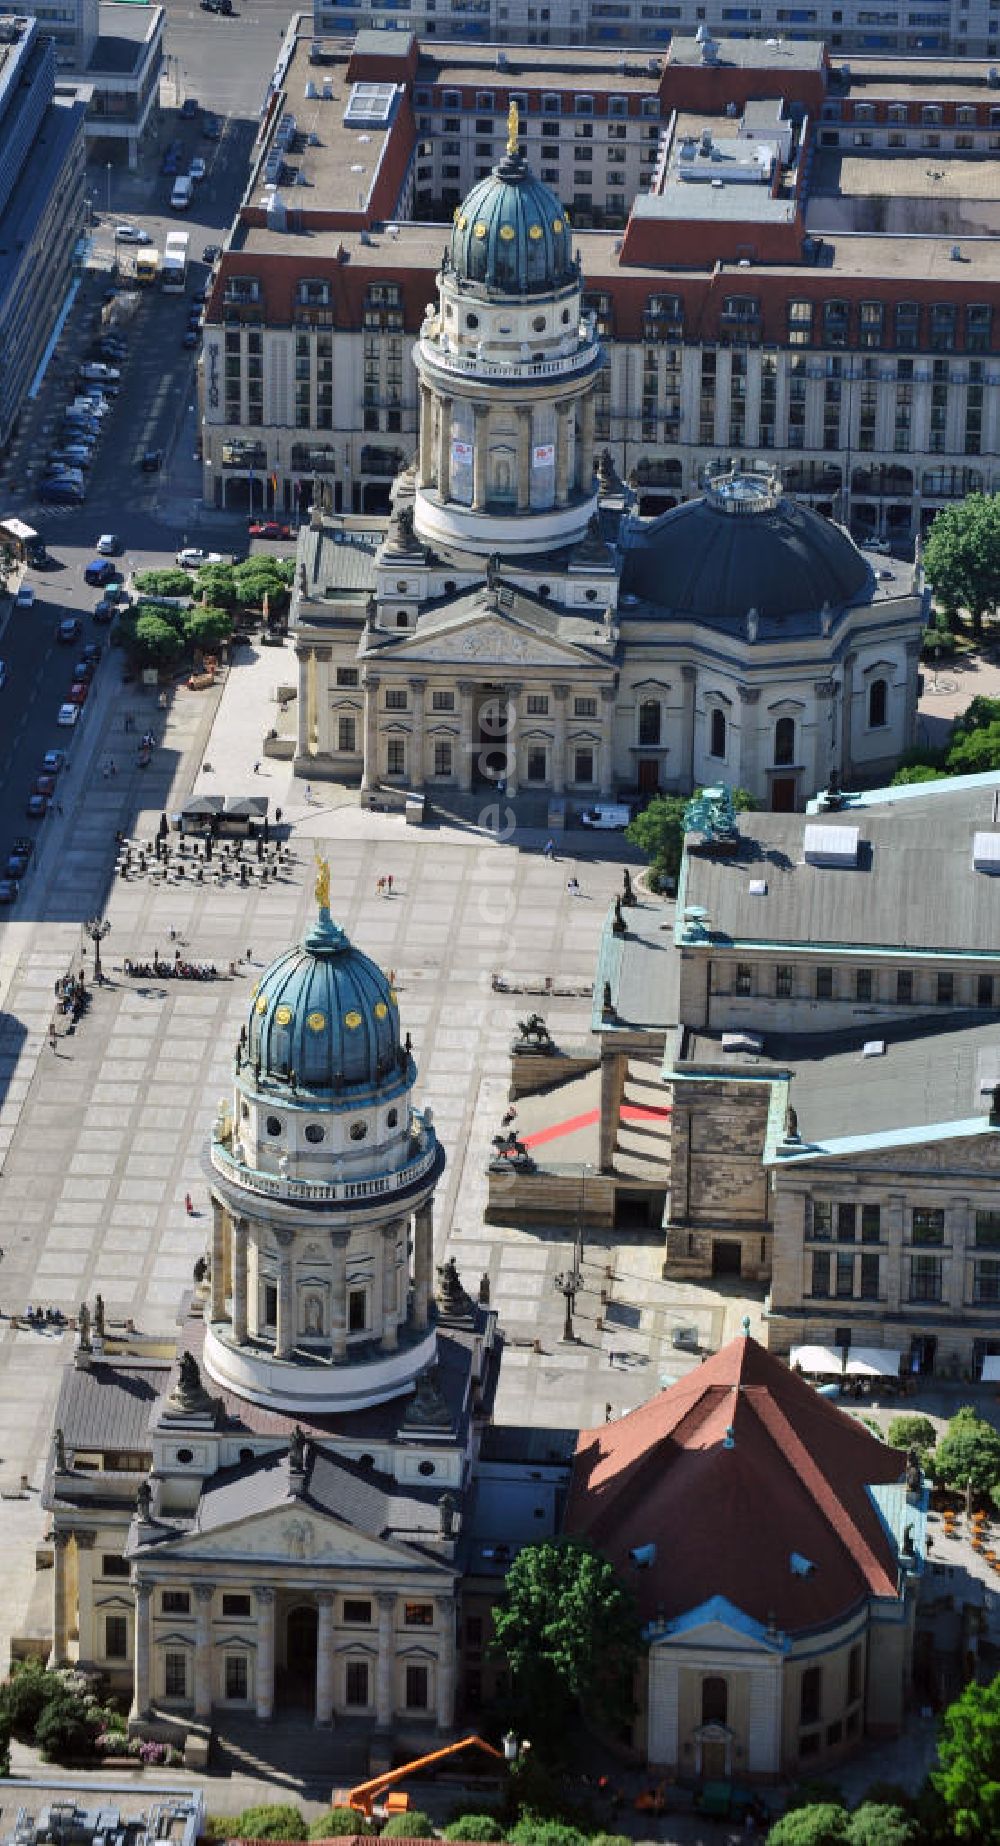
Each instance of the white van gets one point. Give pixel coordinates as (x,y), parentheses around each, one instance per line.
(182,194)
(609,817)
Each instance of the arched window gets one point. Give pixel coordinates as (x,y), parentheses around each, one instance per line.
(649,721)
(784,741)
(878,700)
(714,1699)
(717,741)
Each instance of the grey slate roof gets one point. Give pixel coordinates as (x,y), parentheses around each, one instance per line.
(108,1406)
(913,889)
(363,1498)
(642,967)
(533,614)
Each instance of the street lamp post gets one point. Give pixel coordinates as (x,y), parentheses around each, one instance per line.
(97,929)
(567,1285)
(109,188)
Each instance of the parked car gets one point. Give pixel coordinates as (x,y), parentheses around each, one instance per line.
(25,596)
(152,461)
(60,491)
(77,694)
(68,715)
(211,253)
(69,628)
(131,234)
(44,785)
(3,674)
(36,807)
(91,653)
(109,545)
(169,164)
(197,169)
(94,371)
(53,761)
(190,338)
(84,669)
(192,557)
(189,109)
(20,856)
(211,125)
(100,571)
(104,611)
(74,455)
(268,528)
(8,890)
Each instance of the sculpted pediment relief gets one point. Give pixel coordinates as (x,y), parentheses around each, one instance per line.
(490,643)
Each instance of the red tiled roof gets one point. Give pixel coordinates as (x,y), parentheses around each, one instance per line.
(726,1520)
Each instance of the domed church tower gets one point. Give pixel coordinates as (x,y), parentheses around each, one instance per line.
(322,1180)
(507,372)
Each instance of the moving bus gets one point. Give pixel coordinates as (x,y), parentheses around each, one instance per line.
(175,261)
(147,265)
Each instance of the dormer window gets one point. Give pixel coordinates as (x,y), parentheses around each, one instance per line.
(313,294)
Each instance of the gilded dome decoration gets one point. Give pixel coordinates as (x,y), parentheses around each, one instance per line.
(511,233)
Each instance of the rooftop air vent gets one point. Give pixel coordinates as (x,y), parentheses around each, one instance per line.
(758,887)
(743,1041)
(986,852)
(800,1566)
(873,1048)
(831,846)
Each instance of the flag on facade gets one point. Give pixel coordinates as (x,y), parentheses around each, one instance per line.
(461,454)
(544,455)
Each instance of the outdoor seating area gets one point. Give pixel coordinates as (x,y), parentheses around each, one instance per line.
(167,859)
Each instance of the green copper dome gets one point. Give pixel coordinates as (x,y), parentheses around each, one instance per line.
(324,1017)
(512,234)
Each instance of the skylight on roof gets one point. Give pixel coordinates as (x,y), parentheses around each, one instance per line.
(986,852)
(830,846)
(369,105)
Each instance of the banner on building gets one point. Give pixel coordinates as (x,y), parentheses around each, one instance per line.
(544,456)
(461,454)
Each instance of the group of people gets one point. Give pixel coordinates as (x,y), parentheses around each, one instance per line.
(383,886)
(44,1317)
(176,970)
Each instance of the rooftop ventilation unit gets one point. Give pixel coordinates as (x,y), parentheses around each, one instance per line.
(831,846)
(758,887)
(643,1556)
(873,1048)
(986,852)
(743,1041)
(370,105)
(800,1566)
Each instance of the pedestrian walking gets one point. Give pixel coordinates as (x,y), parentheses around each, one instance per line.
(256,769)
(277,817)
(309,794)
(392,977)
(379,886)
(389,883)
(550,849)
(573,887)
(189,1204)
(249,955)
(52,1035)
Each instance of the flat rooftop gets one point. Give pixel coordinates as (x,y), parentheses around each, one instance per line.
(334,161)
(750,54)
(919,173)
(542,67)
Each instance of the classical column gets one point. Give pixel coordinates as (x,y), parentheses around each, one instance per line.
(585,446)
(847,720)
(390,1290)
(747,771)
(512,693)
(423,1260)
(140,1667)
(444,1609)
(480,456)
(284,1342)
(426,437)
(370,767)
(564,412)
(685,766)
(304,737)
(338,1299)
(386,1659)
(85,1593)
(418,688)
(467,744)
(558,777)
(265,1652)
(324,1657)
(240,1281)
(60,1599)
(217,1310)
(444,448)
(606,754)
(312,711)
(203,1650)
(523,458)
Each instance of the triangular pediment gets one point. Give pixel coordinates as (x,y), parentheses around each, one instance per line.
(486,638)
(720,1625)
(292,1535)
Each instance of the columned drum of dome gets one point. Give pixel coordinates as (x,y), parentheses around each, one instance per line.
(322,1175)
(508,364)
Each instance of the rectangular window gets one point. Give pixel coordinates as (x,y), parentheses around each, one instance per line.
(347,735)
(824,983)
(583,766)
(396,757)
(870,1277)
(538,704)
(854,1675)
(418,1614)
(175,1602)
(871,1223)
(417,1681)
(270,1304)
(927,1224)
(822,1219)
(585,708)
(988,1281)
(904,986)
(744,978)
(114,1566)
(347,676)
(175,1675)
(945,989)
(442,759)
(442,701)
(925,1278)
(237,1676)
(820,1274)
(357,1613)
(116,1637)
(988,1230)
(356,1688)
(984,990)
(847,1219)
(845,1274)
(395,699)
(357,1310)
(809,1696)
(863,983)
(537,764)
(783,981)
(235,1605)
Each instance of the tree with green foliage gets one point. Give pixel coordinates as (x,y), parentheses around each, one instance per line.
(976,753)
(962,557)
(913,1432)
(66,1727)
(340,1823)
(273,1821)
(412,1826)
(485,1827)
(535,1830)
(968,1450)
(659,832)
(218,582)
(570,1633)
(5,1737)
(23,1697)
(968,1774)
(917,772)
(164,583)
(878,1824)
(824,1823)
(157,642)
(206,627)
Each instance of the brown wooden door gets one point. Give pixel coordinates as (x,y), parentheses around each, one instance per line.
(649,775)
(783,794)
(713,1762)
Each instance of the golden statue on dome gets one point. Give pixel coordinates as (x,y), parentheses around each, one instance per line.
(512,128)
(322,887)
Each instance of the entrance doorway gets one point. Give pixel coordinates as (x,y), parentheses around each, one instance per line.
(649,775)
(923,1350)
(490,764)
(714,1766)
(783,794)
(299,1677)
(727,1257)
